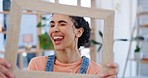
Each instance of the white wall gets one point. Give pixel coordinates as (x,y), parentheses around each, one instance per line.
(28,26)
(123,25)
(1,23)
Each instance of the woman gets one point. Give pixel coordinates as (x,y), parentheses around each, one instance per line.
(67,33)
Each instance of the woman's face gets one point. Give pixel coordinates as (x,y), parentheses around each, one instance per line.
(62,32)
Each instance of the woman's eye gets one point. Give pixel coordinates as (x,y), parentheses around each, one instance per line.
(63,24)
(51,25)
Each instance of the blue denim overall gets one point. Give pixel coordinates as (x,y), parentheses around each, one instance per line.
(83,68)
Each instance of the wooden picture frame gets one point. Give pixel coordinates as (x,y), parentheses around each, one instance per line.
(38,5)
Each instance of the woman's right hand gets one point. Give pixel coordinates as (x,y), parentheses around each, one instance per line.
(5,69)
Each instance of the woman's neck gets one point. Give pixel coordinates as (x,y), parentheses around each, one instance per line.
(68,55)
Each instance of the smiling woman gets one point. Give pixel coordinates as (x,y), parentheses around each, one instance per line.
(67,33)
(60,24)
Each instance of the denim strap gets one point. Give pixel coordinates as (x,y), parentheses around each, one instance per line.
(83,67)
(50,63)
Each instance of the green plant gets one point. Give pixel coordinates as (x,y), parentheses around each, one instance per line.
(44,39)
(101,44)
(40,24)
(137,49)
(98,43)
(137,38)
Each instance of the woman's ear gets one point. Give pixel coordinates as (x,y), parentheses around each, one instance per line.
(79,32)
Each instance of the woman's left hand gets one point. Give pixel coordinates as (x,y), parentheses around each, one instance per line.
(113,71)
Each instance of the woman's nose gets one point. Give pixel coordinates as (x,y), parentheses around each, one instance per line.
(56,29)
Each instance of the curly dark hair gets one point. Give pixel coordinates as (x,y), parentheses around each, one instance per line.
(80,22)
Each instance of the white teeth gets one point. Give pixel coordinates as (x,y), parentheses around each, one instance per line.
(57,37)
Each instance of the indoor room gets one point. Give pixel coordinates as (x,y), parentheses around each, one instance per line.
(118,36)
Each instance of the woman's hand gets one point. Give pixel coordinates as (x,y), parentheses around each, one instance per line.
(4,69)
(112,73)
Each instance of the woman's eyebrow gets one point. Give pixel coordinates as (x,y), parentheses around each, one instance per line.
(51,21)
(62,21)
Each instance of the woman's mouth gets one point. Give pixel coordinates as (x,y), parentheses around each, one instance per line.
(58,39)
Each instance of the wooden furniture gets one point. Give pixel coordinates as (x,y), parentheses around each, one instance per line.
(38,5)
(37,50)
(3,32)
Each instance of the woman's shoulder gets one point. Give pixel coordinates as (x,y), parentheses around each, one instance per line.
(40,58)
(38,63)
(94,68)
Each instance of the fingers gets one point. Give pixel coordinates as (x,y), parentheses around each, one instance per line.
(2,75)
(112,65)
(5,72)
(110,74)
(109,77)
(4,69)
(5,63)
(112,77)
(113,71)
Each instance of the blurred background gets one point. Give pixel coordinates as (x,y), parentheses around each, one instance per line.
(130,34)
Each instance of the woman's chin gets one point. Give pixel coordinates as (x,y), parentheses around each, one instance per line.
(58,48)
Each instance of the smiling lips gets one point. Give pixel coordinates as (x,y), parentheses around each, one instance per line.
(57,39)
